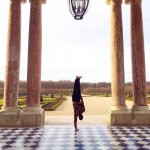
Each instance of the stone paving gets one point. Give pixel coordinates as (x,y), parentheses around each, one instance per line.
(63,137)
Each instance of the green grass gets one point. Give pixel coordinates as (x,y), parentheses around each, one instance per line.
(22,106)
(22,99)
(1,101)
(148,99)
(48,99)
(55,106)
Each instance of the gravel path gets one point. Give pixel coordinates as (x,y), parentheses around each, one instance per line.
(96,109)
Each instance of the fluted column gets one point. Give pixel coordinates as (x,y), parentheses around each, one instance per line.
(117,56)
(34,57)
(11,84)
(138,56)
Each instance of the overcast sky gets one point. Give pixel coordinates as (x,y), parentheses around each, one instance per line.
(72,47)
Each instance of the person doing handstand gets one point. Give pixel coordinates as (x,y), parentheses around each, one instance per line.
(78,103)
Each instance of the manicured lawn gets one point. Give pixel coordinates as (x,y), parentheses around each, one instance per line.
(1,102)
(22,101)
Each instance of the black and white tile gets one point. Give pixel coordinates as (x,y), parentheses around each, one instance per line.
(63,137)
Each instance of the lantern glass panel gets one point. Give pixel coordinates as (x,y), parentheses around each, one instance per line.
(78,8)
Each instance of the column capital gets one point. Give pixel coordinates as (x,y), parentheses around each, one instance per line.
(42,1)
(133,1)
(22,1)
(113,2)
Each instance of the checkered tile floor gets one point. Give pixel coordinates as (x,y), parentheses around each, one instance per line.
(63,137)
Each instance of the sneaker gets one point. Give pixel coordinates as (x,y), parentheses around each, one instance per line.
(79,77)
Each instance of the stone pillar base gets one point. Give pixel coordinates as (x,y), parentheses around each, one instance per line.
(119,108)
(36,118)
(140,108)
(33,109)
(13,110)
(10,119)
(128,117)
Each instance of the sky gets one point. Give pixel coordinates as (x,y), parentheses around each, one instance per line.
(74,47)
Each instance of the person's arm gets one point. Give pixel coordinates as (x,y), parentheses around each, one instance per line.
(81,99)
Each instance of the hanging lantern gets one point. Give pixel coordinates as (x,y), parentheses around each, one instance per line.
(78,8)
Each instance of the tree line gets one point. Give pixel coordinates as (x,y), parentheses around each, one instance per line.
(62,84)
(66,87)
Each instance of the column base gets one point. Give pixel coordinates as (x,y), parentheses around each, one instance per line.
(6,110)
(119,108)
(9,119)
(128,117)
(33,110)
(140,108)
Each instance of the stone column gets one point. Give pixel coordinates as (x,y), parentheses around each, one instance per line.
(11,84)
(34,57)
(117,57)
(138,56)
